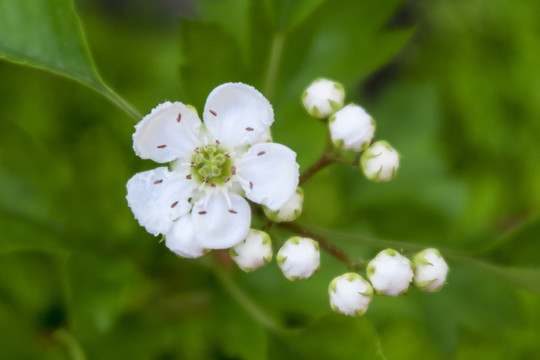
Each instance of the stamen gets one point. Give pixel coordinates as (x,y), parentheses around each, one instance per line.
(192,164)
(226,179)
(196,150)
(212,185)
(249,129)
(227,155)
(174,204)
(261,153)
(213,112)
(162,146)
(218,142)
(202,212)
(158,181)
(179,118)
(232,211)
(188,177)
(250,185)
(233,170)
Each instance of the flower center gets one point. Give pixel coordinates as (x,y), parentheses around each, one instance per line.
(211,165)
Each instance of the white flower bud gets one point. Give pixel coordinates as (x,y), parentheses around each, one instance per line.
(323,98)
(299,258)
(352,128)
(350,294)
(390,273)
(380,162)
(252,253)
(430,270)
(290,211)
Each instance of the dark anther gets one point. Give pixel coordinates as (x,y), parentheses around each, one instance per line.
(162,146)
(213,112)
(158,181)
(232,211)
(179,118)
(174,204)
(249,129)
(261,153)
(233,170)
(202,212)
(188,177)
(250,185)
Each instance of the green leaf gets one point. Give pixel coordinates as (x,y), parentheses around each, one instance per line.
(48,35)
(330,337)
(525,278)
(287,14)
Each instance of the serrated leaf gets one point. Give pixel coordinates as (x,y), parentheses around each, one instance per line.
(47,34)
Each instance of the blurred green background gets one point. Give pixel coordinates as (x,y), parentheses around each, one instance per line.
(453,85)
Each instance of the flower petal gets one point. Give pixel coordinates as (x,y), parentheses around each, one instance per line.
(271,174)
(237,114)
(218,225)
(157,197)
(181,239)
(169,131)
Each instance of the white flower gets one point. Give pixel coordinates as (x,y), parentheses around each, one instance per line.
(430,270)
(299,258)
(288,212)
(380,162)
(199,203)
(350,294)
(252,253)
(390,273)
(323,98)
(352,128)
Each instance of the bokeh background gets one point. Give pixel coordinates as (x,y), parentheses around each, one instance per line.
(453,85)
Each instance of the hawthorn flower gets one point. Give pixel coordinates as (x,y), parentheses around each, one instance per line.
(430,270)
(299,258)
(352,128)
(290,211)
(198,203)
(390,273)
(253,252)
(350,294)
(323,98)
(380,162)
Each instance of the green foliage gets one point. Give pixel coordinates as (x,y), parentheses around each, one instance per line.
(79,279)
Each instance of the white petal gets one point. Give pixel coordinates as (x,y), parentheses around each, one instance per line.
(170,130)
(157,197)
(255,251)
(271,174)
(218,226)
(237,114)
(352,128)
(181,239)
(299,258)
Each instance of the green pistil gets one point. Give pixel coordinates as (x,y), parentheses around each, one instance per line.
(211,165)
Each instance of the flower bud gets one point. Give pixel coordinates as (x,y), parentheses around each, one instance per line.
(352,128)
(390,273)
(299,258)
(380,162)
(290,211)
(350,294)
(323,98)
(252,253)
(430,270)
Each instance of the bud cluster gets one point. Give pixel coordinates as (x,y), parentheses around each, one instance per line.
(389,273)
(352,129)
(298,258)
